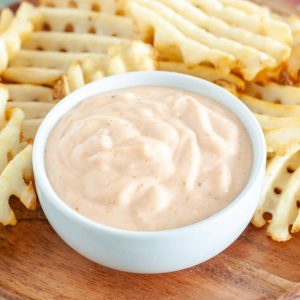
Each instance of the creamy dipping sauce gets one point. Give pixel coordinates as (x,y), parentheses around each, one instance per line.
(148,158)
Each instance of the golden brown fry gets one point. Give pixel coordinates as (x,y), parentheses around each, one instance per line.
(6,17)
(73,20)
(75,42)
(279,196)
(104,6)
(32,110)
(12,183)
(28,75)
(275,93)
(271,109)
(17,30)
(29,92)
(51,59)
(205,72)
(29,128)
(271,27)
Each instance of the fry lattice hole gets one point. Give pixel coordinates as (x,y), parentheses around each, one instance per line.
(277,190)
(267,216)
(72,4)
(96,7)
(46,26)
(290,169)
(69,28)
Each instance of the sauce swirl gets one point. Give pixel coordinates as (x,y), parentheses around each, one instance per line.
(148,158)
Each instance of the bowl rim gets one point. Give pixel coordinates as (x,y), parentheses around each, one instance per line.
(68,102)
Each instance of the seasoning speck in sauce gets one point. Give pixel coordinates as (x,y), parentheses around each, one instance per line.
(148,158)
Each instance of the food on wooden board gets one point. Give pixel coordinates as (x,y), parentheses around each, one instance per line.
(48,51)
(16,176)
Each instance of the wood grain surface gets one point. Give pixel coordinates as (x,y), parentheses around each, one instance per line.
(36,264)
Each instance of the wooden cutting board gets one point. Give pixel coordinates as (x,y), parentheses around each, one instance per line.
(36,264)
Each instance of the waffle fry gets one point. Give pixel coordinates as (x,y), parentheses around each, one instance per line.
(10,132)
(12,183)
(32,110)
(73,20)
(247,7)
(220,28)
(172,44)
(50,59)
(204,72)
(29,128)
(270,109)
(75,42)
(16,31)
(276,29)
(14,165)
(268,123)
(279,196)
(104,6)
(136,56)
(30,75)
(75,77)
(281,125)
(6,18)
(29,92)
(192,43)
(275,93)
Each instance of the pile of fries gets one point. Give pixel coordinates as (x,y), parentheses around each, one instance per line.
(51,50)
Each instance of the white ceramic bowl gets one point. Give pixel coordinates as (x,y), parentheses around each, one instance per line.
(156,251)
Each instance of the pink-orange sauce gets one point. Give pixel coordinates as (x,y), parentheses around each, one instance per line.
(148,158)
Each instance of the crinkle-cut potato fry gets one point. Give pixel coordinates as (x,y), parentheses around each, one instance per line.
(270,122)
(275,93)
(39,76)
(279,196)
(248,60)
(29,129)
(51,59)
(11,121)
(29,92)
(280,140)
(32,110)
(168,37)
(12,183)
(19,28)
(270,109)
(219,28)
(104,6)
(75,77)
(78,74)
(92,71)
(255,23)
(3,100)
(293,21)
(73,20)
(204,72)
(137,56)
(6,17)
(247,7)
(10,136)
(14,166)
(293,64)
(75,42)
(61,88)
